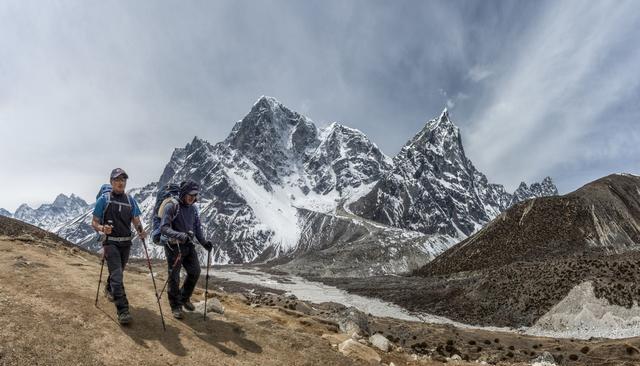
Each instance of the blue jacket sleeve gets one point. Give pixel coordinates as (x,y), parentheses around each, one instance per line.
(197,229)
(167,218)
(99,208)
(136,209)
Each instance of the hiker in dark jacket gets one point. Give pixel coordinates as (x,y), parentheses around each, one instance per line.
(113,214)
(180,223)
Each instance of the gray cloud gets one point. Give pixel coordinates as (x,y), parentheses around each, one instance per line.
(538,88)
(561,86)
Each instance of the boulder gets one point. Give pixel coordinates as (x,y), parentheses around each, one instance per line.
(544,359)
(335,338)
(213,306)
(354,349)
(352,320)
(380,342)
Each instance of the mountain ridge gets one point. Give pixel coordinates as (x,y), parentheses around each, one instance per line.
(258,184)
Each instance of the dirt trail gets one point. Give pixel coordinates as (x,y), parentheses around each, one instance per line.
(48,317)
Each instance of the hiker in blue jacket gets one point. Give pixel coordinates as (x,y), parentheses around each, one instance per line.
(112,216)
(180,223)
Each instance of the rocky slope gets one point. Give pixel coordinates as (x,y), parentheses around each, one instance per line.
(41,325)
(602,217)
(345,245)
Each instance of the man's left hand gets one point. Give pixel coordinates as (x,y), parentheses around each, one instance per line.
(142,235)
(208,245)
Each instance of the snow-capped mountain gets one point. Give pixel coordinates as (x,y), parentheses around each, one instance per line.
(546,188)
(274,162)
(275,185)
(6,213)
(48,216)
(435,189)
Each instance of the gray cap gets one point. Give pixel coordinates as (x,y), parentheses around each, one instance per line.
(115,173)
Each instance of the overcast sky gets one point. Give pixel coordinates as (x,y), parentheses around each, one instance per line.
(537,88)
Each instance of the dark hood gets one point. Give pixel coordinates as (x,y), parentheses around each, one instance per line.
(188,186)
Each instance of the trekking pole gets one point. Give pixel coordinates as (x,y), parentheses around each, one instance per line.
(104,250)
(155,289)
(104,254)
(206,287)
(173,267)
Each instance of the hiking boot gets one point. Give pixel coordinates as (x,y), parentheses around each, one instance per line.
(189,306)
(108,294)
(124,318)
(177,313)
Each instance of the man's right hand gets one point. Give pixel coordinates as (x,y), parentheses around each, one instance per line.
(107,229)
(182,237)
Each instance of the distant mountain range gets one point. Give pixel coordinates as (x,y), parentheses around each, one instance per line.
(49,216)
(280,189)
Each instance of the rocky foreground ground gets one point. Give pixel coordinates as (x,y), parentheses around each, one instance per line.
(47,291)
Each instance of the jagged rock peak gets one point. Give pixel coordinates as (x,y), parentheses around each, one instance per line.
(197,143)
(63,200)
(440,134)
(270,120)
(269,110)
(524,192)
(273,137)
(335,130)
(24,207)
(547,181)
(444,115)
(267,102)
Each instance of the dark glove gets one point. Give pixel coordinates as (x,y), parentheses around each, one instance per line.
(182,237)
(208,245)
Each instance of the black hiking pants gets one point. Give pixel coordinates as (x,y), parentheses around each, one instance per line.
(117,256)
(188,260)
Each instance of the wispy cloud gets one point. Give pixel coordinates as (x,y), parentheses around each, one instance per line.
(577,65)
(478,73)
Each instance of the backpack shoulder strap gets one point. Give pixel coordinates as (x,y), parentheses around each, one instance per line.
(163,207)
(107,196)
(176,204)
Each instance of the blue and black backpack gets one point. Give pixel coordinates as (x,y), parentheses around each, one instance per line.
(170,193)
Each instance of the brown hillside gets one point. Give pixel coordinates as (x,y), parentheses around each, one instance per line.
(601,217)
